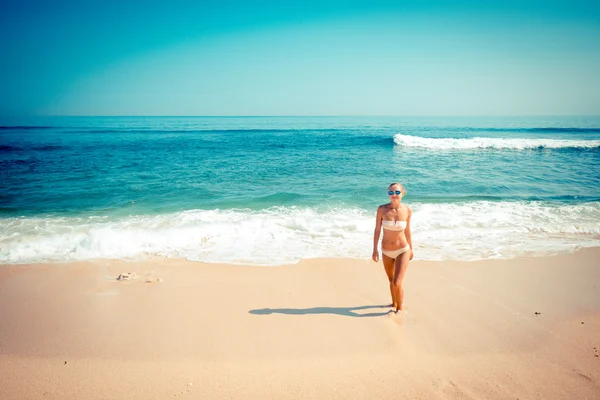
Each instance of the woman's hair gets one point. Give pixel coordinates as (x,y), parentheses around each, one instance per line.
(399,184)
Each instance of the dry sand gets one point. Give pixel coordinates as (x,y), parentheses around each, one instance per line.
(502,329)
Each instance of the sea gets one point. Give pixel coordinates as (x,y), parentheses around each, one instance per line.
(276,190)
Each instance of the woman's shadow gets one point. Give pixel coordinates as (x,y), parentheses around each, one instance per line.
(345,311)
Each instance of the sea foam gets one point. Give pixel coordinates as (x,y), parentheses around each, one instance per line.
(283,235)
(491,143)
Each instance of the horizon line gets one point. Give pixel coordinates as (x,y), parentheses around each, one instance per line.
(299,116)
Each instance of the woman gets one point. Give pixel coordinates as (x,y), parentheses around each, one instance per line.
(396,244)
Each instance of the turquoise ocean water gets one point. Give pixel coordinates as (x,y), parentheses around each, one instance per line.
(268,191)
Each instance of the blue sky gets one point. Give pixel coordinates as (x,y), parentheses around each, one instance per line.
(299,58)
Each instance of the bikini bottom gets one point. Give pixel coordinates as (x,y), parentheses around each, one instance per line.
(395,253)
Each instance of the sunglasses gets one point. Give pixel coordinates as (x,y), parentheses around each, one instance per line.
(391,192)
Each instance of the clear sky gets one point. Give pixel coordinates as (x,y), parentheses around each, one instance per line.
(180,57)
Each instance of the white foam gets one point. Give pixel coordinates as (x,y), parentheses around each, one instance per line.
(491,143)
(283,235)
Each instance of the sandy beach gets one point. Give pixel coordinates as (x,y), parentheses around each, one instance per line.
(527,328)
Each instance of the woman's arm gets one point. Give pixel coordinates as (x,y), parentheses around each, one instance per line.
(408,233)
(376,233)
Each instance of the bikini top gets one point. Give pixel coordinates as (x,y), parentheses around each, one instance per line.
(393,225)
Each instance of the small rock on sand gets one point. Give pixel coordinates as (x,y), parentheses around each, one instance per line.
(127,276)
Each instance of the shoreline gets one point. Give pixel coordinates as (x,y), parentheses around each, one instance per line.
(153,258)
(517,328)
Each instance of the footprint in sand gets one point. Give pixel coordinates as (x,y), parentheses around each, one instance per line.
(187,390)
(401,317)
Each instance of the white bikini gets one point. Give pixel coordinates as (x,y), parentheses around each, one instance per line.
(394,226)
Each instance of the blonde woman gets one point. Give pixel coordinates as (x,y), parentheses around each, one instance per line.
(396,244)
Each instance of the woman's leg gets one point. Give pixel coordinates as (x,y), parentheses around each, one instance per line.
(400,268)
(388,264)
